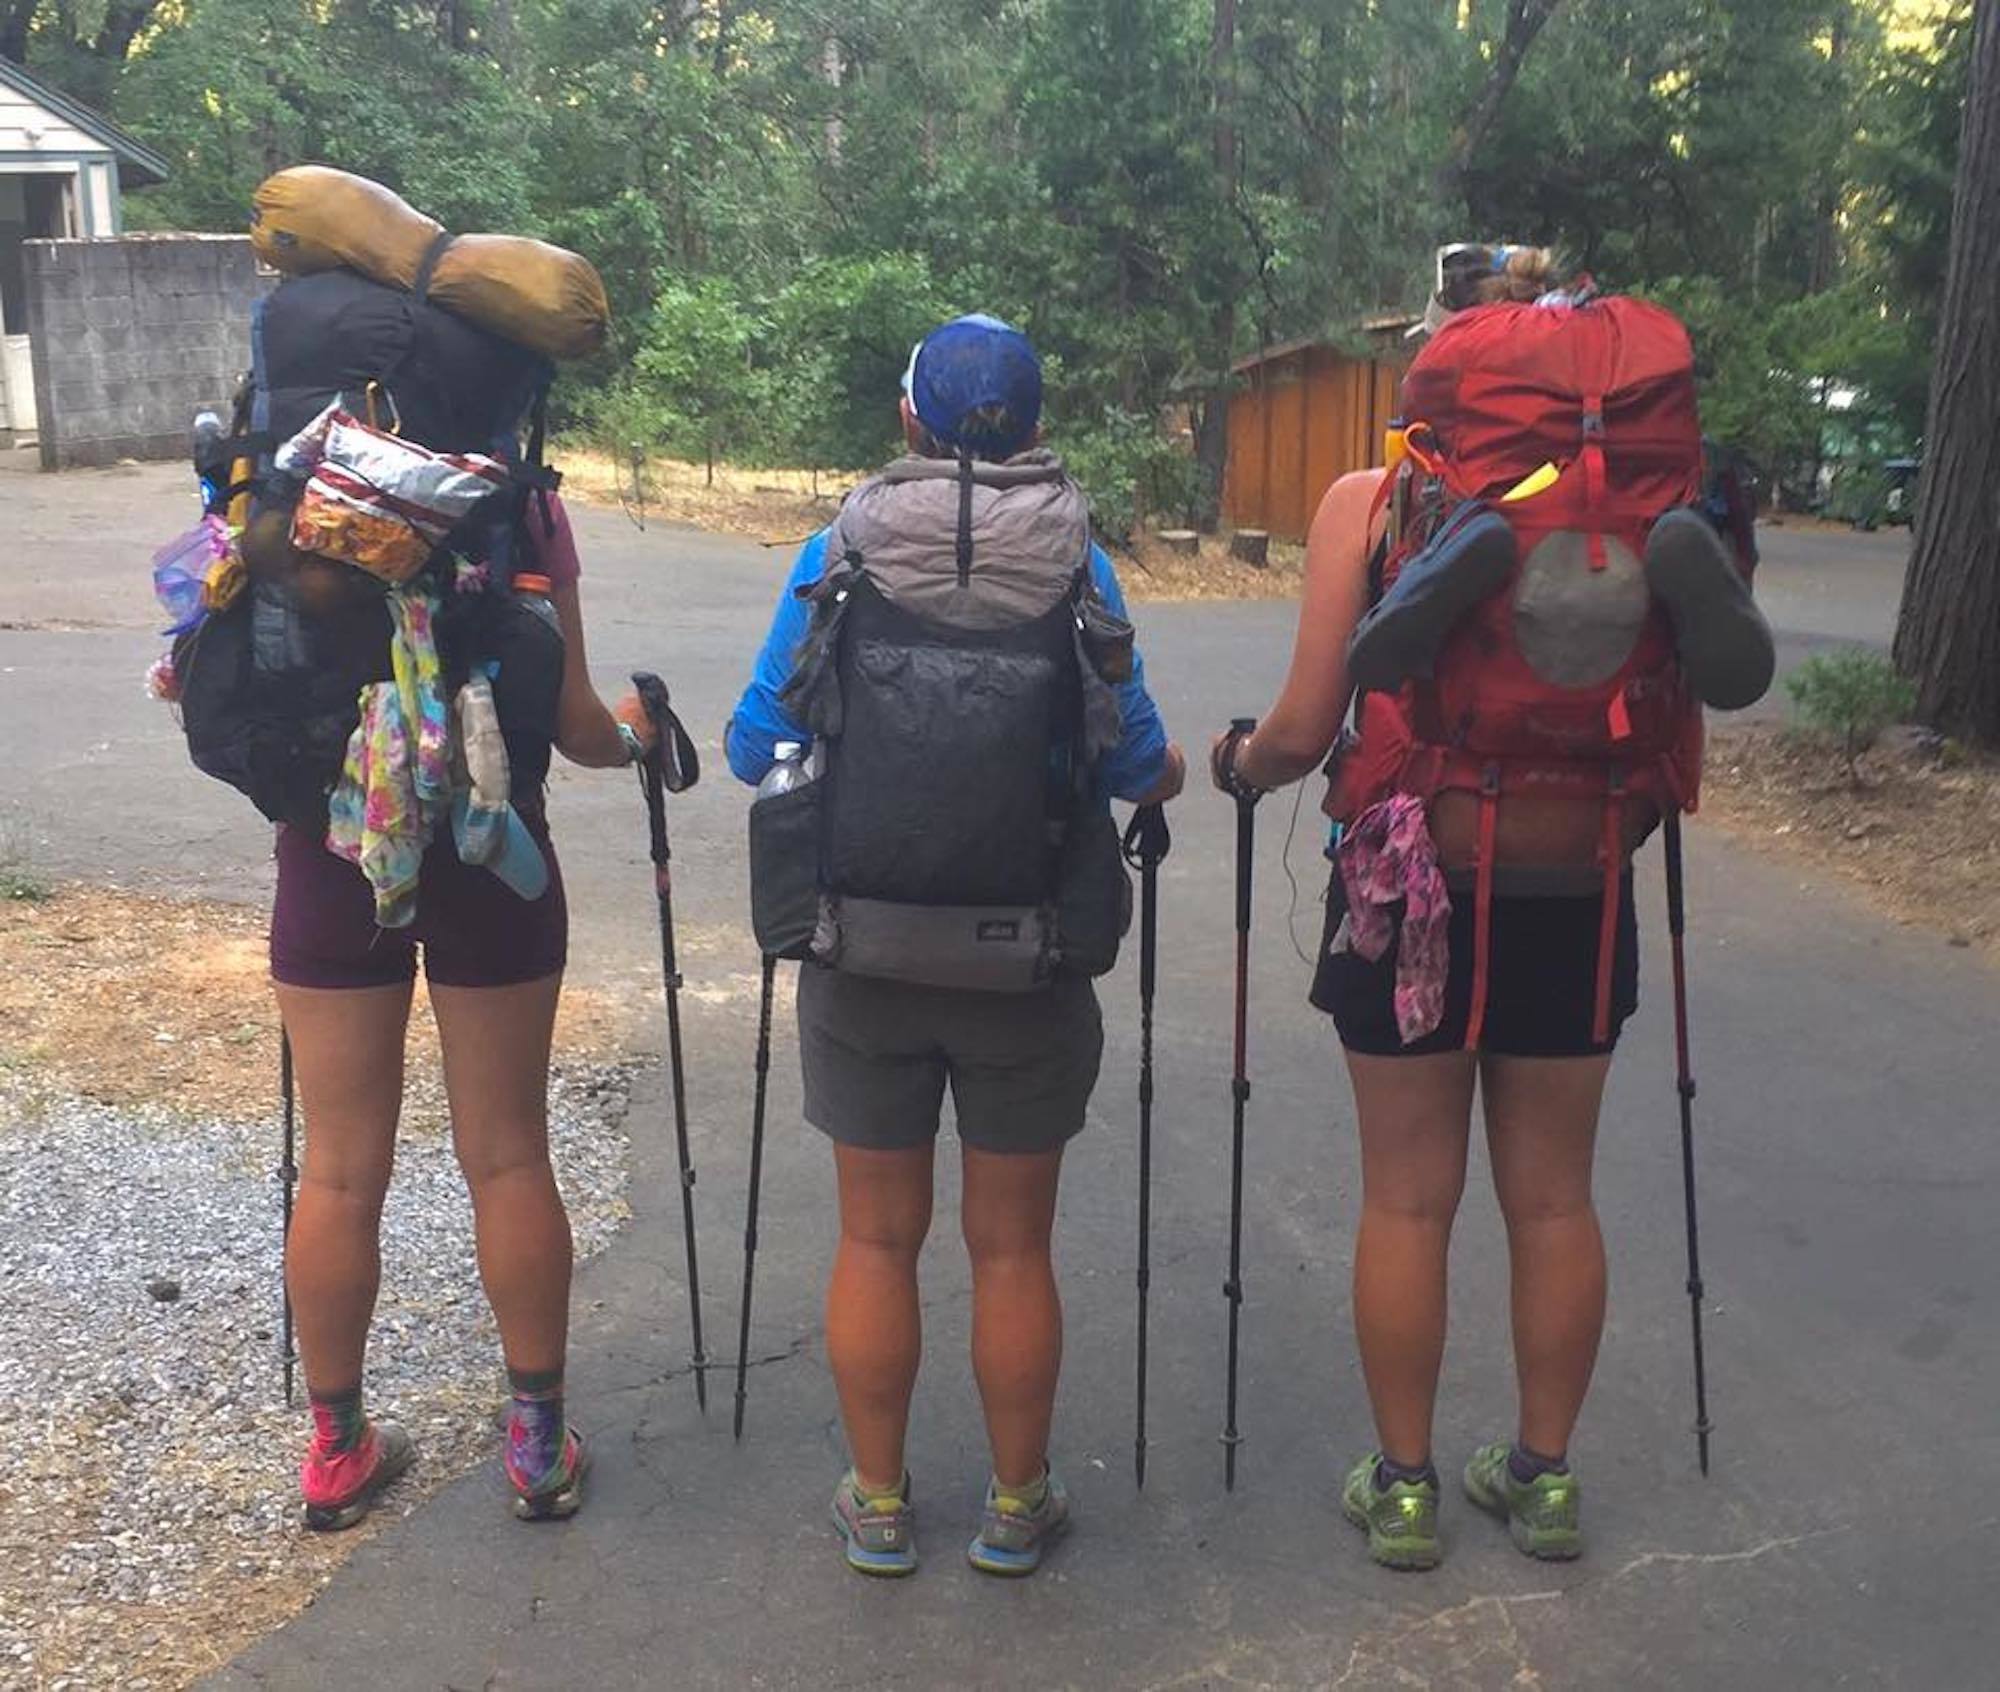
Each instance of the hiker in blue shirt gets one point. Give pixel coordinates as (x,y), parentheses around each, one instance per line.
(967,885)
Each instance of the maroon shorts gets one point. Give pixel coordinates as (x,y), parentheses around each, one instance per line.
(474,931)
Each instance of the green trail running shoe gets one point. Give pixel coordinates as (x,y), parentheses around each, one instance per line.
(880,1532)
(1013,1538)
(1401,1522)
(1541,1514)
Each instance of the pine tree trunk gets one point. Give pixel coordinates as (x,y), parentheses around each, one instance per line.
(1948,634)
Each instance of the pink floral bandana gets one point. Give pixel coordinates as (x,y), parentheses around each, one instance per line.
(1387,855)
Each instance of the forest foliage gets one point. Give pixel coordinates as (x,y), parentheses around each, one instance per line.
(783,195)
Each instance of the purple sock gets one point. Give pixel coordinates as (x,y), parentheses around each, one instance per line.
(535,1425)
(1527,1466)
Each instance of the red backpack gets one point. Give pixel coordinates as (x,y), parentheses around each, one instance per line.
(1565,683)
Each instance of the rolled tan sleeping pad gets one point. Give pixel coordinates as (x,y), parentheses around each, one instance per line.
(313,218)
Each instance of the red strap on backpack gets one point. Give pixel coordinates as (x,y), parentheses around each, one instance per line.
(1593,477)
(1482,907)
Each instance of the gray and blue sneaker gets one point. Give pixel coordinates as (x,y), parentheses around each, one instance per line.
(1470,558)
(1724,641)
(1018,1530)
(879,1528)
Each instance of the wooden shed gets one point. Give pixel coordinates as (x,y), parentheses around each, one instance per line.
(1305,413)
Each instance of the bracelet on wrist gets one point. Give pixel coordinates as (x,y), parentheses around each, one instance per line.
(1232,750)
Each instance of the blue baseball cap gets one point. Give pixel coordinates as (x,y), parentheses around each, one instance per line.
(972,364)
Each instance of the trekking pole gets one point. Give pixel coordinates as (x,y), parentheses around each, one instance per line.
(1147,843)
(1676,929)
(756,1180)
(673,767)
(1232,1289)
(288,1176)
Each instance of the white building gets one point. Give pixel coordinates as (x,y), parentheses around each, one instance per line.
(63,172)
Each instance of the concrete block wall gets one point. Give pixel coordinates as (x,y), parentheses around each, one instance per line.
(131,337)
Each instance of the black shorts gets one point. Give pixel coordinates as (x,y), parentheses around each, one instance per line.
(878,1055)
(1542,988)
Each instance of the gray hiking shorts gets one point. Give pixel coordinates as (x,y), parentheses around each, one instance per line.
(878,1054)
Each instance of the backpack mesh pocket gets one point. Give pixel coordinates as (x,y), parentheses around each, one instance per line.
(784,871)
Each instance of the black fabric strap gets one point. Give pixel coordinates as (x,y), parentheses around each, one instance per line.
(964,518)
(420,284)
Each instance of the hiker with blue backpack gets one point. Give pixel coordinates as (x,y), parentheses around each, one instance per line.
(1522,619)
(948,699)
(387,651)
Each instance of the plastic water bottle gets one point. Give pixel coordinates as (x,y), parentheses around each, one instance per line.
(211,468)
(789,771)
(533,591)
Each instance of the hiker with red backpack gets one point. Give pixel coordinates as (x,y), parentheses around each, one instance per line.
(1525,615)
(948,699)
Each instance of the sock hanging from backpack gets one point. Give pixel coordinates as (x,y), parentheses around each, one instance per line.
(535,1427)
(339,1423)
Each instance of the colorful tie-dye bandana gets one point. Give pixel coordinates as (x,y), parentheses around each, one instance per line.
(396,782)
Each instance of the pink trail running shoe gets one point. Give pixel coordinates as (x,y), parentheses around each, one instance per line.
(341,1486)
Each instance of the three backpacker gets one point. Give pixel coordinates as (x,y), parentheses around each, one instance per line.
(1557,676)
(957,677)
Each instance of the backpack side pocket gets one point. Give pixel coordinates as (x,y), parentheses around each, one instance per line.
(784,871)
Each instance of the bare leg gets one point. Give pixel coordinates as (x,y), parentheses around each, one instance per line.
(1415,1125)
(1007,1212)
(1541,1129)
(874,1330)
(347,1046)
(496,1070)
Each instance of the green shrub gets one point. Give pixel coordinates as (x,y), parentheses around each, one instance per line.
(1130,470)
(1852,695)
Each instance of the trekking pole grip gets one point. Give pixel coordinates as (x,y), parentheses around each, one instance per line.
(1148,840)
(1240,730)
(674,756)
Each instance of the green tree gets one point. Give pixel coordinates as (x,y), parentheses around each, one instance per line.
(693,371)
(841,333)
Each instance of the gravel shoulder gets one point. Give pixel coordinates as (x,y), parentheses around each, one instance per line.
(148,1520)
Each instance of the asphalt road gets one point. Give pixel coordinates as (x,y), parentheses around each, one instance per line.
(1848,1164)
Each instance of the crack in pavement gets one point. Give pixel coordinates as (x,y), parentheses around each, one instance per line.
(1749,1554)
(1371,1653)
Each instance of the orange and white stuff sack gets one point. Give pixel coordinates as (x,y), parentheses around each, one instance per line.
(377,501)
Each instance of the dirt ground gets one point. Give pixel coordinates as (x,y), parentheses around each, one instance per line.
(784,507)
(129,1002)
(1920,839)
(124,999)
